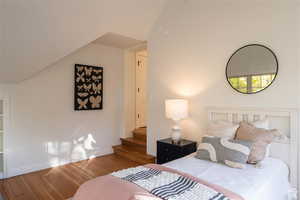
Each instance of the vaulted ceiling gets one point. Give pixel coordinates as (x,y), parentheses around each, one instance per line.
(37,33)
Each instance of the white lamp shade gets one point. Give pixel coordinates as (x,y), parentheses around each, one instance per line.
(176,109)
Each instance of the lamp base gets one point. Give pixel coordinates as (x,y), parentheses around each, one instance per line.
(176,134)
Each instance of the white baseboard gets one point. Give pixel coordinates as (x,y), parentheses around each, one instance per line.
(40,166)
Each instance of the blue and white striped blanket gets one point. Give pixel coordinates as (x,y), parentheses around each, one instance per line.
(167,185)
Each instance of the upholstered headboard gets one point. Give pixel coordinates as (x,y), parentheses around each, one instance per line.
(285,120)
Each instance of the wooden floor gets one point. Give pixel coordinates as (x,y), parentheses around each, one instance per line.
(61,183)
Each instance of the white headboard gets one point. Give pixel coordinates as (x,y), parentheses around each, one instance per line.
(285,120)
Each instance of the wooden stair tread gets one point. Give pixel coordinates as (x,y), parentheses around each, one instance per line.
(140,133)
(123,148)
(133,155)
(134,141)
(135,148)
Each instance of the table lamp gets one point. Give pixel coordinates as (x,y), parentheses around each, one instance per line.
(176,109)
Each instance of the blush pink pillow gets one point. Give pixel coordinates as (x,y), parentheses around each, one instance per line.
(261,138)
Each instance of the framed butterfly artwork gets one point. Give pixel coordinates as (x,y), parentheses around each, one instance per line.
(88,91)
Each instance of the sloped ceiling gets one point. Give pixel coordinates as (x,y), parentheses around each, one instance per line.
(37,33)
(117,41)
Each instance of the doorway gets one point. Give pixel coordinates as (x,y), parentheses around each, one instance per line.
(141,88)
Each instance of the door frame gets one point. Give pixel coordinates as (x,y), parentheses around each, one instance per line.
(6,128)
(144,55)
(129,91)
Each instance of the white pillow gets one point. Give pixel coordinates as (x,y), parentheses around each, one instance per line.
(262,124)
(227,129)
(221,128)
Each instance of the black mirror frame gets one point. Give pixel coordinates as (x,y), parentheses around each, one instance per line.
(277,67)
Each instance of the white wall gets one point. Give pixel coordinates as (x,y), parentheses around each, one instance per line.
(46,131)
(2,21)
(191,44)
(129,93)
(39,33)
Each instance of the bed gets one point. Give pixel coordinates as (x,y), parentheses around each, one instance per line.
(274,178)
(271,181)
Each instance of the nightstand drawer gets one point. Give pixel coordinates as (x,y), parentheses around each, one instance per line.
(166,151)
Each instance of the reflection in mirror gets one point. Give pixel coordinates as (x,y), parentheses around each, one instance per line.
(251,69)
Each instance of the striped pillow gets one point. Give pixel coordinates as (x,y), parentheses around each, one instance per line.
(233,153)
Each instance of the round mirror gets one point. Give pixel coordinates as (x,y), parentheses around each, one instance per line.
(252,69)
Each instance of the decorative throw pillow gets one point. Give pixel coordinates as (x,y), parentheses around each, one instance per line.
(266,125)
(233,153)
(261,138)
(224,129)
(261,123)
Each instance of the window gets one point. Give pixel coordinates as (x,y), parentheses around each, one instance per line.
(251,83)
(239,83)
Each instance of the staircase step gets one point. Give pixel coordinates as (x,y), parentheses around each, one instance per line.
(128,153)
(135,144)
(140,134)
(134,141)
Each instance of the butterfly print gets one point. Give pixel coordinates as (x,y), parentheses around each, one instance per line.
(82,103)
(97,71)
(80,87)
(95,101)
(87,87)
(88,71)
(80,69)
(83,94)
(97,88)
(96,78)
(80,77)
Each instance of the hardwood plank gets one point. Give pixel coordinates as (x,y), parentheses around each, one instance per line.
(107,164)
(130,154)
(60,183)
(58,180)
(19,190)
(40,187)
(78,176)
(3,190)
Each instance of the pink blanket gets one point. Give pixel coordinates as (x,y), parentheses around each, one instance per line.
(112,188)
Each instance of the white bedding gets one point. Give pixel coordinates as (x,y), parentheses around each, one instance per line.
(270,182)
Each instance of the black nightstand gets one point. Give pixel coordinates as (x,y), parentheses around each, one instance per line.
(167,151)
